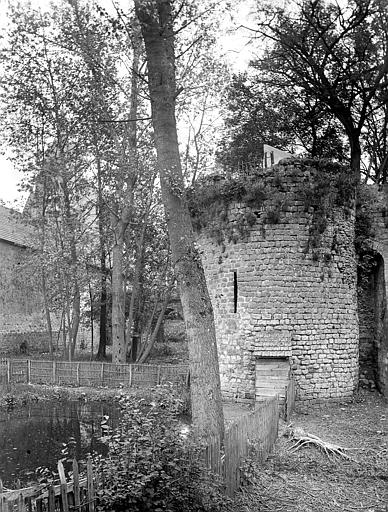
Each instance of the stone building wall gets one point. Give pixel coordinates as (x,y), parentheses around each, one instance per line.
(367,323)
(381,291)
(21,307)
(274,296)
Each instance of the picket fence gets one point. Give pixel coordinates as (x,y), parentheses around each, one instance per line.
(64,373)
(255,433)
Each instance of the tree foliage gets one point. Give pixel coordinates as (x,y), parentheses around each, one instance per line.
(66,105)
(329,63)
(151,465)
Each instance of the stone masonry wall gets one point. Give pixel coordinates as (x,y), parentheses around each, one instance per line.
(367,322)
(381,305)
(291,301)
(21,307)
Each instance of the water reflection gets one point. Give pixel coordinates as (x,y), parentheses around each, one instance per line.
(36,435)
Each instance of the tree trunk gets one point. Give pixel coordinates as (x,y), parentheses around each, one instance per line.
(101,353)
(355,156)
(75,318)
(118,313)
(91,322)
(157,28)
(139,267)
(48,316)
(152,337)
(128,166)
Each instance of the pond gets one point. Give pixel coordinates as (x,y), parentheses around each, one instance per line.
(37,435)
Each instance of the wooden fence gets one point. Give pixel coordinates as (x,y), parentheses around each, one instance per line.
(64,373)
(77,494)
(255,433)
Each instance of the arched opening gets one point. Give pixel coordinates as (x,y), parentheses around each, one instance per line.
(373,322)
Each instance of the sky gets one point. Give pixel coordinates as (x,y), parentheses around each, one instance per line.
(234,45)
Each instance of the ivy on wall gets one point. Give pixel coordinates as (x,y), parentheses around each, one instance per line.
(367,198)
(322,186)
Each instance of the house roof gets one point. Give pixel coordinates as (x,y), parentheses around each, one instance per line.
(12,228)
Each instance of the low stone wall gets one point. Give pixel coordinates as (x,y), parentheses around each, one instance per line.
(14,343)
(276,296)
(22,317)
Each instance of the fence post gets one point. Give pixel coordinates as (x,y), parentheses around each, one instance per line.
(102,374)
(9,372)
(54,372)
(28,371)
(78,374)
(158,376)
(130,376)
(89,474)
(77,499)
(2,507)
(51,498)
(62,478)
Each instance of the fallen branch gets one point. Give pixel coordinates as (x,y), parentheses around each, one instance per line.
(303,438)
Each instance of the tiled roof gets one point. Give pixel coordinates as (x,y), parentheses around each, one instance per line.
(12,228)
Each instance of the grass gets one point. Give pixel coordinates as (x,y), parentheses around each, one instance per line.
(310,481)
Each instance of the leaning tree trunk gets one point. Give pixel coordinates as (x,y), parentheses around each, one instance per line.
(156,21)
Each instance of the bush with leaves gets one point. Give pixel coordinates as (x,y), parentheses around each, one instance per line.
(151,464)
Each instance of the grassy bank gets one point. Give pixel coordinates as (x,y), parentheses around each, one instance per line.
(19,395)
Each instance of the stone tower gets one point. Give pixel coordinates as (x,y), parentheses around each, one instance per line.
(281,272)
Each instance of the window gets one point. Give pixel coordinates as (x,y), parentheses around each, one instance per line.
(235,291)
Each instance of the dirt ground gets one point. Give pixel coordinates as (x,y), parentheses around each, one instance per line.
(308,480)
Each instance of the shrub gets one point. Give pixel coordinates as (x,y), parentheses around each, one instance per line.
(151,464)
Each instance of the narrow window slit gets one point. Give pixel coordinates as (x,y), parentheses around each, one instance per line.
(235,289)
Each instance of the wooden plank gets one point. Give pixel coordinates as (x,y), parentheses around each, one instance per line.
(29,371)
(102,374)
(20,503)
(2,499)
(272,366)
(265,392)
(62,478)
(39,490)
(158,377)
(270,372)
(270,385)
(77,497)
(51,499)
(90,487)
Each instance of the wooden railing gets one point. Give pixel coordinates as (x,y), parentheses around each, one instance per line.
(30,371)
(77,494)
